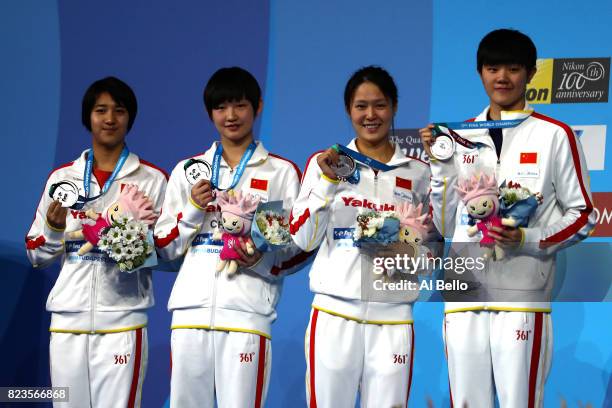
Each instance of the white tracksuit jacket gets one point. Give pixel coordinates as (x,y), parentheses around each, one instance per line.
(545,156)
(324,215)
(201,297)
(91,295)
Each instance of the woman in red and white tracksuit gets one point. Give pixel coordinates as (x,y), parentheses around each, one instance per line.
(499,336)
(98,345)
(221,323)
(354,344)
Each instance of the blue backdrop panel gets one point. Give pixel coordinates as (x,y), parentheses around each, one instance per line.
(166,52)
(29,85)
(315,47)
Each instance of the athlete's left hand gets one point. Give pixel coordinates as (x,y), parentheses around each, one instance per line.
(247,260)
(506,237)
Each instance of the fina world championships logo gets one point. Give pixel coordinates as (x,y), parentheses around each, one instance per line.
(570,80)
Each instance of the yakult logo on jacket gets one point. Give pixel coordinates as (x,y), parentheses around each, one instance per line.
(78,214)
(353,202)
(213,208)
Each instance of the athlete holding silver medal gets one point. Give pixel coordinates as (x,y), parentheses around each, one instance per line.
(98,312)
(344,167)
(221,323)
(351,342)
(499,343)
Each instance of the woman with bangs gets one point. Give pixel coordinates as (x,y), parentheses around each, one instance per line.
(353,344)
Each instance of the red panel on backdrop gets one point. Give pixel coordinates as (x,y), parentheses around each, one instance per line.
(603,209)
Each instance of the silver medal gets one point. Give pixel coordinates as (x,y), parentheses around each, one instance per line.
(345,168)
(66,192)
(196,170)
(443,147)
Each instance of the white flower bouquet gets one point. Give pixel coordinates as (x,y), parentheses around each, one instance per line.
(518,203)
(127,242)
(379,227)
(274,227)
(270,231)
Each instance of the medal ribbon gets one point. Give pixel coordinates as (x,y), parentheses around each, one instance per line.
(82,200)
(485,124)
(216,164)
(89,167)
(363,159)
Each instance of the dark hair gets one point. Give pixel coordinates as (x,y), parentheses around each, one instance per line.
(121,93)
(229,85)
(506,46)
(376,75)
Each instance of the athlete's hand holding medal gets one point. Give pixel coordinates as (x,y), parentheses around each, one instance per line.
(202,193)
(328,160)
(56,215)
(204,178)
(437,144)
(439,141)
(197,173)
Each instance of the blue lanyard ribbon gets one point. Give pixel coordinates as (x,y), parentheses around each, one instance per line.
(485,124)
(89,168)
(363,159)
(82,200)
(216,164)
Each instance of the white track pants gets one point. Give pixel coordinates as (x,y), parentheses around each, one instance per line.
(102,370)
(345,356)
(234,366)
(488,352)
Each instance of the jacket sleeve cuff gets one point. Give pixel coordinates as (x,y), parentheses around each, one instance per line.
(193,213)
(264,265)
(53,234)
(326,187)
(530,241)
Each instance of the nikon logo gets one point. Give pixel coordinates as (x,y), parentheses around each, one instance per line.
(570,80)
(538,95)
(539,89)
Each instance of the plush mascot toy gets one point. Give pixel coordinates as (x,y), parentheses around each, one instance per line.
(480,195)
(237,211)
(132,203)
(415,227)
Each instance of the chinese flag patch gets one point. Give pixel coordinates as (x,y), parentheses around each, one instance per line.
(403,183)
(259,184)
(529,158)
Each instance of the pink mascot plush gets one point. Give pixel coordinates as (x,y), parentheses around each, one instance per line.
(131,203)
(237,211)
(480,196)
(415,227)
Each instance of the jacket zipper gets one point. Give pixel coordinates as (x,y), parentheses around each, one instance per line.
(94,283)
(375,184)
(94,286)
(214,296)
(214,301)
(366,314)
